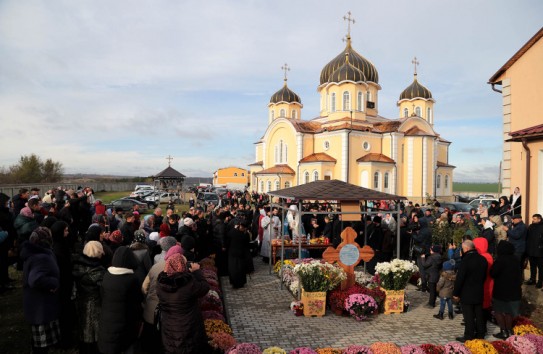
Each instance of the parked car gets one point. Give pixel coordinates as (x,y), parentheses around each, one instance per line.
(486,202)
(128,204)
(462,198)
(144,186)
(221,191)
(456,207)
(141,193)
(163,197)
(205,198)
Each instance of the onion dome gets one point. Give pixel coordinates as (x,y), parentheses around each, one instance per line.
(347,72)
(358,61)
(285,95)
(415,90)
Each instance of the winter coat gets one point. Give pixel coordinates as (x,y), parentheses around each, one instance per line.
(517,236)
(499,231)
(481,245)
(470,278)
(218,233)
(423,238)
(141,251)
(121,304)
(24,227)
(432,266)
(239,257)
(88,274)
(41,281)
(505,271)
(534,241)
(488,234)
(445,285)
(182,325)
(149,290)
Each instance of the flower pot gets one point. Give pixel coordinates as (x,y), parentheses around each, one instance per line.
(314,303)
(394,301)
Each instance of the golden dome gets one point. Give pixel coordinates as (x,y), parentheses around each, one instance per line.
(415,90)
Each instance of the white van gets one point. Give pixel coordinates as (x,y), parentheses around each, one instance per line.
(143,187)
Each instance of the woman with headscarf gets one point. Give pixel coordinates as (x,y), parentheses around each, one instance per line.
(505,207)
(88,274)
(41,281)
(481,245)
(141,251)
(178,289)
(516,202)
(97,233)
(120,317)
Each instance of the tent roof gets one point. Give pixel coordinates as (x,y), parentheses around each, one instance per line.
(169,172)
(332,190)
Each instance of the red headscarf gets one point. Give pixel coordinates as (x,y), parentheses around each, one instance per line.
(164,230)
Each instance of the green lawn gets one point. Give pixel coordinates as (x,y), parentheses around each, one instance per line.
(475,187)
(108,197)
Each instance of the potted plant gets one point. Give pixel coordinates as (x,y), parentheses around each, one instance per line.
(361,306)
(393,278)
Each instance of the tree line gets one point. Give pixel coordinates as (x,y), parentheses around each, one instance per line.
(32,169)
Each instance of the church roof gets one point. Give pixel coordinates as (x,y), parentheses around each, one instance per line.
(415,90)
(169,172)
(444,164)
(374,157)
(357,60)
(386,127)
(535,132)
(332,190)
(318,157)
(277,169)
(285,95)
(258,163)
(347,72)
(416,131)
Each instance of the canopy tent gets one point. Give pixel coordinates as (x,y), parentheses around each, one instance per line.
(333,190)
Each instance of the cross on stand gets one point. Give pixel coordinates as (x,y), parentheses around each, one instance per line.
(415,62)
(347,255)
(285,68)
(349,19)
(169,158)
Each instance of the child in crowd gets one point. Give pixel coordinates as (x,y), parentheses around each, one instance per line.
(445,287)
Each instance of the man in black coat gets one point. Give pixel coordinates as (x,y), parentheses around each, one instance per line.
(469,290)
(534,250)
(375,241)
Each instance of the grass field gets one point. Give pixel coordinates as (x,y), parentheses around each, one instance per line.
(475,187)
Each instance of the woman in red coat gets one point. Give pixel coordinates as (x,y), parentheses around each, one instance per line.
(481,245)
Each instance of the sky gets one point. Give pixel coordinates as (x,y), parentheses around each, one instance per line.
(115,86)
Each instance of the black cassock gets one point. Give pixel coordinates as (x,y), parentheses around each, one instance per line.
(239,257)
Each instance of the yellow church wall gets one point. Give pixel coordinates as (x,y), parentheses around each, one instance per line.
(230,175)
(282,131)
(423,104)
(442,152)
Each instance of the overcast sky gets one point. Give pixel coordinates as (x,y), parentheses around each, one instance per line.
(113,87)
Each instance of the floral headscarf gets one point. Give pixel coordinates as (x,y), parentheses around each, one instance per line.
(175,264)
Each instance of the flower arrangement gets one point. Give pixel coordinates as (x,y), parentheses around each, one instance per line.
(214,326)
(274,350)
(357,349)
(303,350)
(211,303)
(212,315)
(385,348)
(329,351)
(245,348)
(319,276)
(222,341)
(526,329)
(522,344)
(361,306)
(503,347)
(456,348)
(286,263)
(362,278)
(377,294)
(432,348)
(411,349)
(480,346)
(536,340)
(297,307)
(394,275)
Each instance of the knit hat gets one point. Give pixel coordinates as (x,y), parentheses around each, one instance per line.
(436,248)
(173,250)
(139,236)
(154,236)
(93,249)
(41,236)
(449,265)
(188,222)
(175,264)
(167,242)
(116,237)
(27,212)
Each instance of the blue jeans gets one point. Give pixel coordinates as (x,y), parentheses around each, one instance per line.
(442,302)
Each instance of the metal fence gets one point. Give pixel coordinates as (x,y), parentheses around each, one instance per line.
(12,189)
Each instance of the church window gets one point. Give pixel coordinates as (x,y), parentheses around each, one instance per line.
(366,146)
(242,174)
(429,114)
(293,114)
(269,186)
(376,180)
(438,182)
(333,102)
(403,148)
(418,112)
(235,174)
(261,186)
(281,152)
(306,177)
(326,145)
(405,112)
(368,96)
(287,184)
(272,114)
(282,113)
(346,101)
(386,180)
(315,176)
(446,182)
(360,101)
(277,185)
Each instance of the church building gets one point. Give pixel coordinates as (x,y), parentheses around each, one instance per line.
(350,141)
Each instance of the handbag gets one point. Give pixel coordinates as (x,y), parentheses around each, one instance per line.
(157,319)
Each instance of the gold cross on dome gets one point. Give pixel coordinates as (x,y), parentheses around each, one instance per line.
(169,158)
(285,68)
(349,19)
(415,63)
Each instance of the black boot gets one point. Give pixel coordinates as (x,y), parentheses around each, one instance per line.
(451,316)
(508,333)
(439,316)
(502,335)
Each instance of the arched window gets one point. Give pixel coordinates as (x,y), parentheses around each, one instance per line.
(405,112)
(418,112)
(429,114)
(243,174)
(235,174)
(346,101)
(281,152)
(438,182)
(293,114)
(386,180)
(277,185)
(261,186)
(368,96)
(360,101)
(272,114)
(315,176)
(306,177)
(333,102)
(376,180)
(282,113)
(287,184)
(446,182)
(269,186)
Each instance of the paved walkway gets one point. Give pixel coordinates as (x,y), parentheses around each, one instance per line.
(260,313)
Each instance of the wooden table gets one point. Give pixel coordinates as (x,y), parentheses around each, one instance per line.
(294,246)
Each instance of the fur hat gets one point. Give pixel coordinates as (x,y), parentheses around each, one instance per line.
(188,222)
(93,249)
(41,236)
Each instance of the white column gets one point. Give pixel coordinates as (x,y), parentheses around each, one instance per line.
(264,157)
(344,154)
(394,150)
(299,154)
(409,166)
(424,166)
